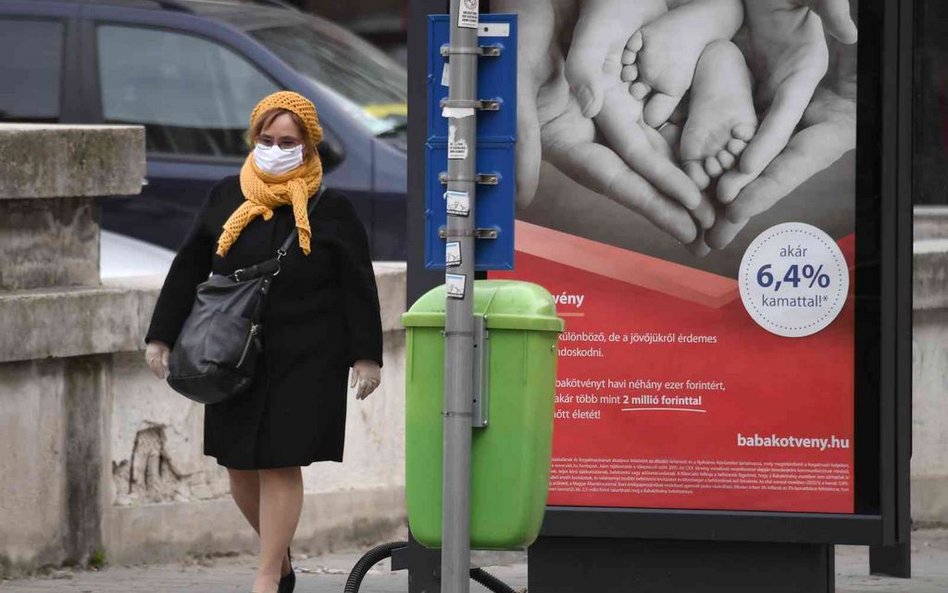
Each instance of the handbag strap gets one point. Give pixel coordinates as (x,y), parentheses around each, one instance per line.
(271,267)
(289,240)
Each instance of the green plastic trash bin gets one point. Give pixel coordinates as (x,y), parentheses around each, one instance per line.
(510,458)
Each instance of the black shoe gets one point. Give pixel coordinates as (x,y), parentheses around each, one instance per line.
(288,581)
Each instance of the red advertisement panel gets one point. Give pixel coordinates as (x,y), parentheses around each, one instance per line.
(686,189)
(671,396)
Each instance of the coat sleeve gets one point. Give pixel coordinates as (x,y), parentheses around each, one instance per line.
(359,291)
(190,267)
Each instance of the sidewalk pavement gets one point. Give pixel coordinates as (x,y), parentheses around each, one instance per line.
(328,574)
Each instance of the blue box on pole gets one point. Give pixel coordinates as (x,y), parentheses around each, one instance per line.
(496,141)
(495,206)
(496,77)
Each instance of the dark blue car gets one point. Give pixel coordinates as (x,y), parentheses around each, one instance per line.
(190,71)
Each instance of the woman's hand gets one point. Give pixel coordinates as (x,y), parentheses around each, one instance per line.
(366,376)
(156,355)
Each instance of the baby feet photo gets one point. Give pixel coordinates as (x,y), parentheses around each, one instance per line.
(679,108)
(602,30)
(659,59)
(721,117)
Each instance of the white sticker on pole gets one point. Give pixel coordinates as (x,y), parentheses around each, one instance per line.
(457,112)
(493,30)
(452,254)
(467,15)
(457,147)
(446,75)
(458,202)
(454,285)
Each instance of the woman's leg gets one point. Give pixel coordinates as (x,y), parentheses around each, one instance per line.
(245,489)
(281,502)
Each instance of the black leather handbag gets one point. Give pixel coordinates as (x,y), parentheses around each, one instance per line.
(216,353)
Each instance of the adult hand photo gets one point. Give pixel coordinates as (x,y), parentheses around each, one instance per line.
(787,51)
(827,131)
(552,127)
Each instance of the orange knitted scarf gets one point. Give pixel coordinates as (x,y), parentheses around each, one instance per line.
(264,192)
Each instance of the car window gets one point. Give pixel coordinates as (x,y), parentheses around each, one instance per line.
(193,96)
(31,69)
(374,87)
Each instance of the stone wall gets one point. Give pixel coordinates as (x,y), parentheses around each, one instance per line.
(54,317)
(930,367)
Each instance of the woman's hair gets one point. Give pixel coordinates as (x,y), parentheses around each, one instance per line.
(267,117)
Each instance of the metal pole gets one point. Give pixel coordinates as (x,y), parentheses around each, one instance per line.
(459,320)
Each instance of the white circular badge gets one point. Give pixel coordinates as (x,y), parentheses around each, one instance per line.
(794,280)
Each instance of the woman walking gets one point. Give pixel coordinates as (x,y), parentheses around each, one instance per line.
(321,318)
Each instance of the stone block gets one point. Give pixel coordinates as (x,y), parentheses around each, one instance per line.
(930,274)
(930,368)
(52,432)
(391,279)
(47,161)
(52,242)
(930,500)
(66,322)
(930,222)
(33,495)
(929,385)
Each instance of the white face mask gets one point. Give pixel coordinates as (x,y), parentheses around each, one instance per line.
(275,161)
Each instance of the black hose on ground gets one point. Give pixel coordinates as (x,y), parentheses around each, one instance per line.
(383,551)
(365,564)
(490,581)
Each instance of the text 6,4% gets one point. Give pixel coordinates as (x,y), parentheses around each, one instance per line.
(808,275)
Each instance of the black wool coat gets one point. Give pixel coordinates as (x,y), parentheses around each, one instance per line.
(321,316)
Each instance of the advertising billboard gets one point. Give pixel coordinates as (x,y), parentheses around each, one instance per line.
(687,189)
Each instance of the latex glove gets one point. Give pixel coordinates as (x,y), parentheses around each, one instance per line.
(366,376)
(156,356)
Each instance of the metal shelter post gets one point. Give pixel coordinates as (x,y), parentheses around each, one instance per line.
(459,321)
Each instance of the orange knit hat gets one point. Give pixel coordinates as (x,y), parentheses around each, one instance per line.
(296,103)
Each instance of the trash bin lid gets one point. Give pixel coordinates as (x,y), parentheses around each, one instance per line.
(505,304)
